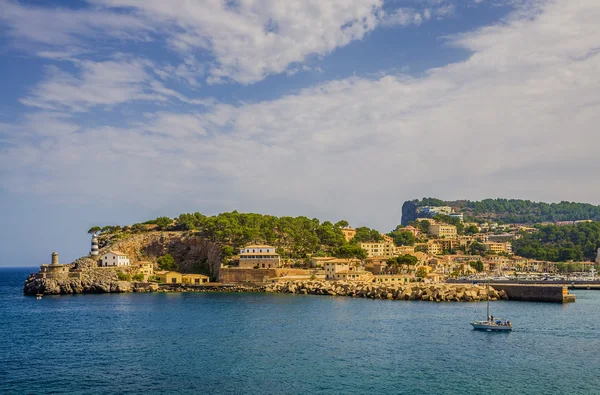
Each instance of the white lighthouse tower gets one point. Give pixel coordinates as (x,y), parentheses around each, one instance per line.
(94,251)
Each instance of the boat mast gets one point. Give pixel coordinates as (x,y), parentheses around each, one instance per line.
(488,300)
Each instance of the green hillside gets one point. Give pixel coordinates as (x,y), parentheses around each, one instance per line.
(508,210)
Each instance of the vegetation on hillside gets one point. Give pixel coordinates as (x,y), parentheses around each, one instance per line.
(294,237)
(560,243)
(508,210)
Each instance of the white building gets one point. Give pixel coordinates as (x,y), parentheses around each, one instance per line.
(259,256)
(114,258)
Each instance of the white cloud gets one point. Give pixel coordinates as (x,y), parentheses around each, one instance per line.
(250,39)
(63,26)
(517,119)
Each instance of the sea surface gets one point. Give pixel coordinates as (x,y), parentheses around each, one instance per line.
(289,344)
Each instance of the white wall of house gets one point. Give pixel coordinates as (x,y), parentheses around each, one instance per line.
(111,259)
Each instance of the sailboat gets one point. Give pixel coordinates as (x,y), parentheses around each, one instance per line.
(491,324)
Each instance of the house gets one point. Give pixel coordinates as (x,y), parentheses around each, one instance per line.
(442,230)
(145,268)
(261,256)
(194,279)
(335,266)
(349,233)
(114,259)
(385,248)
(169,277)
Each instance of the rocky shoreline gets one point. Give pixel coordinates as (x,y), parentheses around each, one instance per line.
(440,292)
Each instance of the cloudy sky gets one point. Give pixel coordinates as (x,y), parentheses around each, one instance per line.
(118,111)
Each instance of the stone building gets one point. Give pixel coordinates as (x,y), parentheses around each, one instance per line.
(349,233)
(54,269)
(261,256)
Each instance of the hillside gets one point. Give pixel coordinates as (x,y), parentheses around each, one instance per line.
(507,210)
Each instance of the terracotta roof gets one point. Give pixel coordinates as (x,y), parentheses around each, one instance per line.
(258,253)
(117,253)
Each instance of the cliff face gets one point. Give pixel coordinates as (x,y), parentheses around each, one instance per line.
(193,254)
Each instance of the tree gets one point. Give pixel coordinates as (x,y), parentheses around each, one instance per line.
(348,251)
(166,262)
(421,272)
(342,224)
(227,251)
(163,222)
(94,229)
(478,265)
(366,235)
(471,230)
(402,237)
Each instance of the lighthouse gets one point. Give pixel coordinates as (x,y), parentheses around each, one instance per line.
(94,251)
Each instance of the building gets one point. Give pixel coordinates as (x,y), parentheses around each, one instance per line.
(259,256)
(168,277)
(386,238)
(431,211)
(54,269)
(349,233)
(442,230)
(145,268)
(498,248)
(430,248)
(335,266)
(353,274)
(412,229)
(386,249)
(194,279)
(458,216)
(114,259)
(394,279)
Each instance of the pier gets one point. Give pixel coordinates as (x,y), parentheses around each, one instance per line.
(536,292)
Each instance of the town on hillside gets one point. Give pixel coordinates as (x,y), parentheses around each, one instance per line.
(439,244)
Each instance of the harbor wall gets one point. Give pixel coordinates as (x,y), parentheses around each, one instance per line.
(536,293)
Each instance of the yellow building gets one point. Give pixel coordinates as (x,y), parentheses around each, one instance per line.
(385,249)
(442,230)
(349,233)
(194,279)
(335,266)
(429,248)
(498,247)
(353,275)
(145,268)
(168,277)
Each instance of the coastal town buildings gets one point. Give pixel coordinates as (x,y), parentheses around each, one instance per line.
(385,248)
(194,279)
(349,233)
(144,268)
(431,211)
(498,248)
(114,259)
(442,230)
(54,269)
(259,256)
(394,279)
(169,277)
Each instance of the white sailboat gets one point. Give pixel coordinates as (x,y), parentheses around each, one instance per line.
(492,324)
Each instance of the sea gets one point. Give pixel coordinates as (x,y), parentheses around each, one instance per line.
(230,343)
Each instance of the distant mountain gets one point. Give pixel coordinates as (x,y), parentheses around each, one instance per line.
(504,210)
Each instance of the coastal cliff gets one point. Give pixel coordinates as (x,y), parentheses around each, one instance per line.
(192,253)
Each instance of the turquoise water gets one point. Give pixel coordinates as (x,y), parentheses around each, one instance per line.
(290,344)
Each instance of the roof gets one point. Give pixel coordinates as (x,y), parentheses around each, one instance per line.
(116,253)
(193,275)
(258,246)
(259,253)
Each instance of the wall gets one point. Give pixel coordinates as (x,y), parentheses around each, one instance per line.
(238,275)
(536,293)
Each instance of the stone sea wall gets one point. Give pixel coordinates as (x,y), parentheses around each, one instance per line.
(440,292)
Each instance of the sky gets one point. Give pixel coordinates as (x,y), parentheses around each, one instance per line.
(120,111)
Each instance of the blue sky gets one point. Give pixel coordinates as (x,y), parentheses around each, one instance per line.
(118,111)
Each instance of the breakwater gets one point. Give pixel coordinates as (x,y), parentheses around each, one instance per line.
(536,293)
(439,292)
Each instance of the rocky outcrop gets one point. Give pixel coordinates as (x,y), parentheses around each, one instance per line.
(427,292)
(192,253)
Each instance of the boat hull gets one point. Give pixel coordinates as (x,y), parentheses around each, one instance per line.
(490,326)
